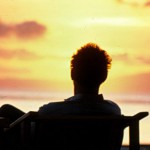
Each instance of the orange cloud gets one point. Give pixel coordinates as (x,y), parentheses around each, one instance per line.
(25,84)
(134,2)
(5,30)
(147,4)
(29,29)
(19,53)
(144,60)
(25,30)
(121,57)
(138,83)
(14,70)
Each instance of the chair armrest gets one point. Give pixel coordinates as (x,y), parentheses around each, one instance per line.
(134,130)
(27,116)
(140,115)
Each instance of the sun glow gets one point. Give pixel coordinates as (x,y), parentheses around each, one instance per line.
(38,42)
(113,21)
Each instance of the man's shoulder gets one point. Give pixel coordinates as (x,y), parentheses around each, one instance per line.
(81,104)
(57,107)
(111,106)
(55,104)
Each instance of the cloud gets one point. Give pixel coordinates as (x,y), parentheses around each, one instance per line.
(133,84)
(147,4)
(134,3)
(139,83)
(144,60)
(5,30)
(26,84)
(24,54)
(29,29)
(14,70)
(18,53)
(122,57)
(24,30)
(125,57)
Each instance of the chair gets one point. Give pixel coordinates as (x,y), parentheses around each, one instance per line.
(3,124)
(76,132)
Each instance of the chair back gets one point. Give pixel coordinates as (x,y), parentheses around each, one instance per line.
(77,132)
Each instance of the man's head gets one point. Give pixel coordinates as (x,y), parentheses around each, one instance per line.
(89,66)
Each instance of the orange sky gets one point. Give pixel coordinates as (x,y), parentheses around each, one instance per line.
(37,39)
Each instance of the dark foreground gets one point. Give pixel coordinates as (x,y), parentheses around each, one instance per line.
(142,147)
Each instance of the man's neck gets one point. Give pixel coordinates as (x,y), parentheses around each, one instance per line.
(78,89)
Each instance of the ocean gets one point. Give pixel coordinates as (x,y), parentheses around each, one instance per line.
(129,104)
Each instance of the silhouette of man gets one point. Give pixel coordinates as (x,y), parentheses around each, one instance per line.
(89,69)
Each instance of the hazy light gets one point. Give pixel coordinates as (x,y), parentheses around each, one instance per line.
(116,21)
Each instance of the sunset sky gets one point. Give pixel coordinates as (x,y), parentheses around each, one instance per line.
(38,38)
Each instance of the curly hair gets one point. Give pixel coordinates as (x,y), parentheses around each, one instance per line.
(89,66)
